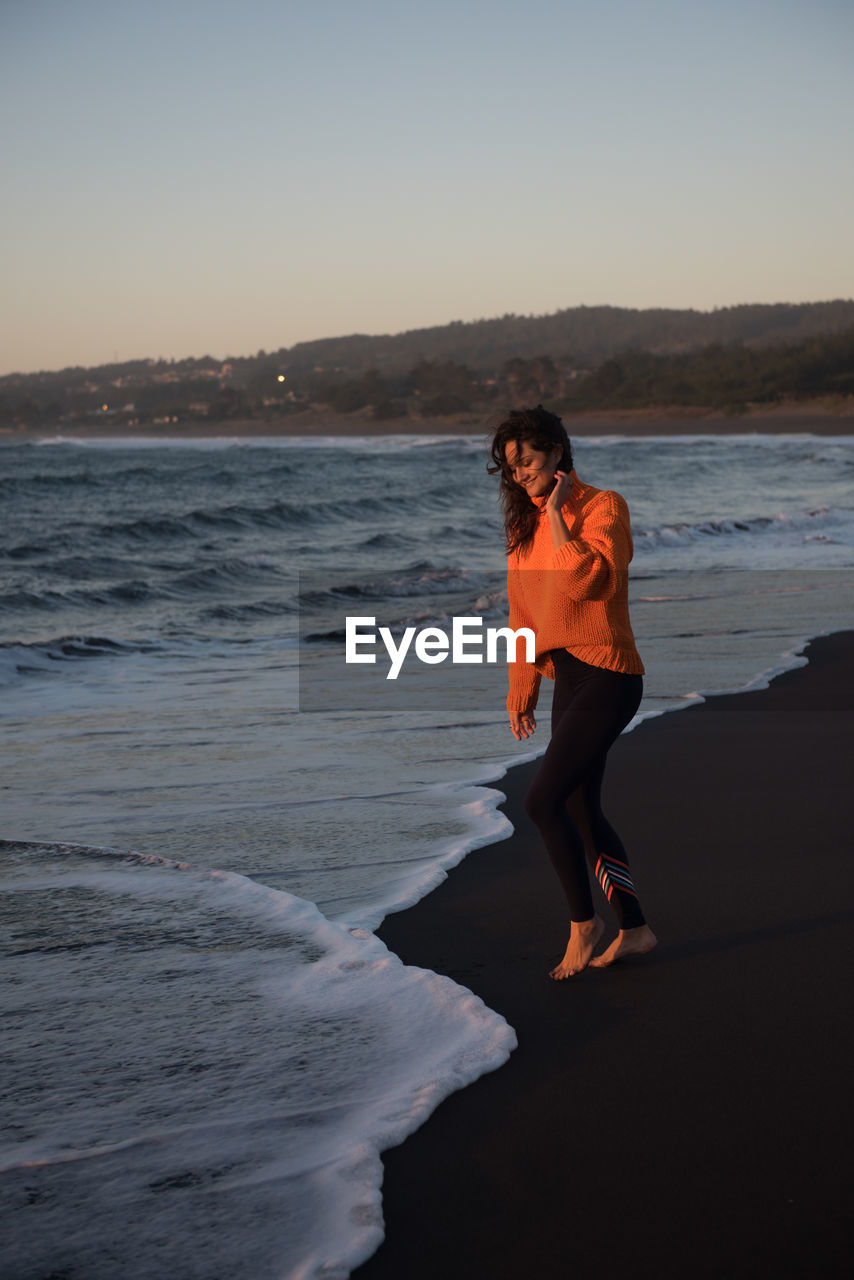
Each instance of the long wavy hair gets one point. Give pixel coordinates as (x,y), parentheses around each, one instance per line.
(541,430)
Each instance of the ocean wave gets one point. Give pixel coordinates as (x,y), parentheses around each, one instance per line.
(166,527)
(193,584)
(133,591)
(248,612)
(453,534)
(272,1053)
(750,584)
(237,517)
(239,571)
(403,442)
(387,542)
(667,535)
(25,551)
(191,525)
(39,482)
(40,657)
(486,598)
(421,579)
(144,529)
(83,567)
(26,599)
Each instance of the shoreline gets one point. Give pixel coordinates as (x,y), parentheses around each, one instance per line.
(700,1059)
(809,419)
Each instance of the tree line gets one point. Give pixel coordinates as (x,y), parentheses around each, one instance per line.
(585,336)
(723,376)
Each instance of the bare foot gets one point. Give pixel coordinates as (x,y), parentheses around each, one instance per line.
(628,942)
(582,942)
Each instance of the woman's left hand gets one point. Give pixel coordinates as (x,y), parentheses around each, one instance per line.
(522,724)
(560,493)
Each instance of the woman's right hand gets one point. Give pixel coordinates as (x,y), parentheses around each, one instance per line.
(522,724)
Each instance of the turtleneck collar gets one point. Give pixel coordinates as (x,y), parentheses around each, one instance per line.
(540,502)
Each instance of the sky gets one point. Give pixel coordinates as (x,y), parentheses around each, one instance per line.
(193,177)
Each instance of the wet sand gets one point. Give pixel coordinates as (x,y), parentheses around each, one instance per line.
(685,1114)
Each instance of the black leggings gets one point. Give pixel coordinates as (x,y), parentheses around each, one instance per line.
(590,709)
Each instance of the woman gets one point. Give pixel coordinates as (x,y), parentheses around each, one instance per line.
(569,547)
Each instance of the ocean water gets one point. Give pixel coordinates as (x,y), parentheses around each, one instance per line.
(205,816)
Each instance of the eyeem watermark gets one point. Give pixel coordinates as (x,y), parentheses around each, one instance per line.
(431,639)
(432,645)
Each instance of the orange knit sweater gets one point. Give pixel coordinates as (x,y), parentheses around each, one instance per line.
(575,597)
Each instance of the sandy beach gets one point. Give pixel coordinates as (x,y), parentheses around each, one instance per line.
(684,1114)
(811,418)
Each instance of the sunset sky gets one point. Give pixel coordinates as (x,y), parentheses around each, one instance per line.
(190,177)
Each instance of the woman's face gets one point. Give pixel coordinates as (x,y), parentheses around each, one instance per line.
(531,468)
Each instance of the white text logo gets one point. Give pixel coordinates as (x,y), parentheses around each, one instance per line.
(432,644)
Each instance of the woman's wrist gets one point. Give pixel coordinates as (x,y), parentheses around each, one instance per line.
(557,526)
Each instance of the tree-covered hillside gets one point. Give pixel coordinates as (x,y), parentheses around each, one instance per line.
(583,335)
(580,360)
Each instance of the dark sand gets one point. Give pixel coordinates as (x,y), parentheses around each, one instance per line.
(687,1113)
(810,418)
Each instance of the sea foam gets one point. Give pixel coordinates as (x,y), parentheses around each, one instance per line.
(205,1069)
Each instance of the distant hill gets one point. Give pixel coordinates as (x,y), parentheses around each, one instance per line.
(580,359)
(584,336)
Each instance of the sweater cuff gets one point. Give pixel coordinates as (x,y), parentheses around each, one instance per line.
(523,695)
